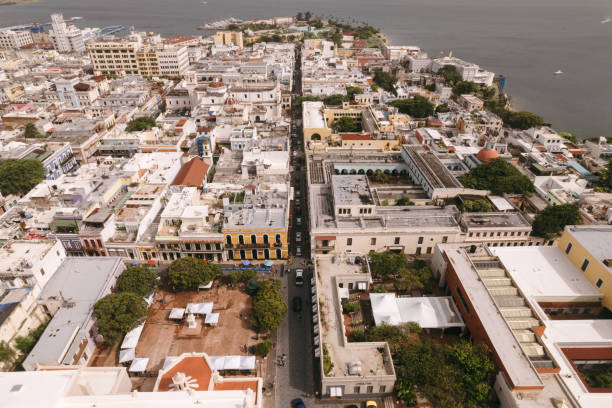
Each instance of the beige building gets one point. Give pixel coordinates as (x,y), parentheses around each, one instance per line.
(228,38)
(114,57)
(315,125)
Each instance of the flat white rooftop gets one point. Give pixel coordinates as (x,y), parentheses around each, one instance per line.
(313,117)
(545,274)
(595,239)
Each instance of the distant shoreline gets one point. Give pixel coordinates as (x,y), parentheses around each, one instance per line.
(13,2)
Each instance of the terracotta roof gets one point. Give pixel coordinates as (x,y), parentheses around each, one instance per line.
(325,238)
(236,386)
(99,78)
(195,367)
(487,154)
(355,136)
(203,130)
(192,173)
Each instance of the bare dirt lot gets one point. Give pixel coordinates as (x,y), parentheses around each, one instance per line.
(162,337)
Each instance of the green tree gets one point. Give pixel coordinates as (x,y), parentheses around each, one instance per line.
(379,176)
(20,176)
(351,91)
(522,120)
(414,279)
(346,124)
(386,264)
(189,273)
(499,177)
(117,314)
(479,205)
(262,349)
(31,132)
(350,307)
(385,80)
(7,354)
(404,200)
(442,108)
(605,180)
(465,87)
(269,309)
(297,104)
(299,16)
(335,99)
(141,123)
(374,87)
(417,107)
(568,136)
(307,16)
(475,369)
(450,74)
(553,219)
(139,280)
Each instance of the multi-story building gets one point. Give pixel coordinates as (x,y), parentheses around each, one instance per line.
(589,248)
(65,37)
(75,93)
(114,57)
(173,60)
(12,39)
(228,38)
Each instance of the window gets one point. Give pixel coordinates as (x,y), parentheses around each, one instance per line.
(420,240)
(599,283)
(372,241)
(240,239)
(585,265)
(370,389)
(396,241)
(462,299)
(418,251)
(253,239)
(429,250)
(444,240)
(568,248)
(265,239)
(357,389)
(349,241)
(382,389)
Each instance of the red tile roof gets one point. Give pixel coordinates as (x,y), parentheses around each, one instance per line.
(236,386)
(192,173)
(355,136)
(195,367)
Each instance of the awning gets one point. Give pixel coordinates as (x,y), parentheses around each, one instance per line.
(131,338)
(139,365)
(199,308)
(325,238)
(151,262)
(135,262)
(232,363)
(247,362)
(207,286)
(177,313)
(268,263)
(127,355)
(246,262)
(211,318)
(169,360)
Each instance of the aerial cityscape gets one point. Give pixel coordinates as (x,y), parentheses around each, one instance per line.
(291,211)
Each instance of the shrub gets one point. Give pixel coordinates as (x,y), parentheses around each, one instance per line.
(356,336)
(263,348)
(350,307)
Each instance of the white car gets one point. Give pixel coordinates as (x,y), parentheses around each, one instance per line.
(298,236)
(298,221)
(299,277)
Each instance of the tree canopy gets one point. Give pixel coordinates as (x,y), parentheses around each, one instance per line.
(385,80)
(351,91)
(479,205)
(189,273)
(297,104)
(465,87)
(499,177)
(139,280)
(417,107)
(522,120)
(404,200)
(31,132)
(269,309)
(450,74)
(385,264)
(443,108)
(346,124)
(141,123)
(335,99)
(117,314)
(20,176)
(553,219)
(605,179)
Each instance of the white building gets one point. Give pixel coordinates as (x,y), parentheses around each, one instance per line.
(65,37)
(467,70)
(173,60)
(15,39)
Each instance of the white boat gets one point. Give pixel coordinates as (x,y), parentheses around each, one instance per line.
(204,3)
(558,72)
(605,20)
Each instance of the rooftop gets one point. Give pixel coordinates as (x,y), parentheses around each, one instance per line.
(351,190)
(595,239)
(495,220)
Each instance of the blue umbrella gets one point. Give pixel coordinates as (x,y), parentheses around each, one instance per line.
(246,262)
(136,262)
(268,263)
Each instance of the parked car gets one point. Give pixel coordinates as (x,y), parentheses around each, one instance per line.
(298,221)
(298,251)
(371,404)
(298,236)
(299,277)
(297,403)
(297,304)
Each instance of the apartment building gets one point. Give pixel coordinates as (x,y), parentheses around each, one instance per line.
(11,39)
(173,60)
(65,36)
(114,57)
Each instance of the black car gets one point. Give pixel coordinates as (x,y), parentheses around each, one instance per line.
(297,304)
(297,403)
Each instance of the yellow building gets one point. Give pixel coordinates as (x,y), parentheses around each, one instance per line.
(315,125)
(228,37)
(112,57)
(589,248)
(256,234)
(148,63)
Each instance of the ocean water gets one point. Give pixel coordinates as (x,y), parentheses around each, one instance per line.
(526,40)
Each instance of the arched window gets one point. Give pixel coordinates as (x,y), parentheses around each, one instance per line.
(242,254)
(265,239)
(315,136)
(228,239)
(240,239)
(253,239)
(278,238)
(254,254)
(230,254)
(266,253)
(279,254)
